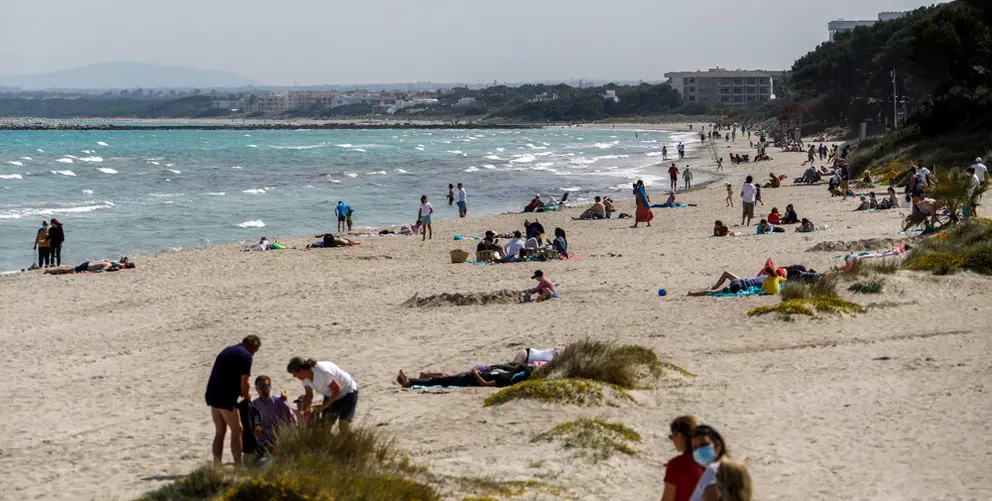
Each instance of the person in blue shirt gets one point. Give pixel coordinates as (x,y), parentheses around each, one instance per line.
(342,212)
(228,381)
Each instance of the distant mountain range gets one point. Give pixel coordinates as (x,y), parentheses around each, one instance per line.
(128,76)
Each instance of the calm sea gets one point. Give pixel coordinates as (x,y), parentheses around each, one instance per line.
(123,192)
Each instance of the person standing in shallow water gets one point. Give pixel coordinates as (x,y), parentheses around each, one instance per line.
(56,236)
(42,246)
(451,195)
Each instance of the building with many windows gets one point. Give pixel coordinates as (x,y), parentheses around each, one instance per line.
(719,86)
(840,25)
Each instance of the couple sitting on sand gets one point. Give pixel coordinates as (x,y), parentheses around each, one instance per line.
(497,375)
(602,209)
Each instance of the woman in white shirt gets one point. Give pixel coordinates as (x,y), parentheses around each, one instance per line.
(709,451)
(424,217)
(337,386)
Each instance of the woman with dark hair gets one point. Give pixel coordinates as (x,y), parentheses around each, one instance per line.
(560,242)
(56,236)
(337,386)
(709,450)
(681,473)
(643,213)
(41,245)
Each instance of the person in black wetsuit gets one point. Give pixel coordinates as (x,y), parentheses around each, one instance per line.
(56,236)
(498,376)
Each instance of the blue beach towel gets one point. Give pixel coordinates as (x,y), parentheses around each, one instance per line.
(750,291)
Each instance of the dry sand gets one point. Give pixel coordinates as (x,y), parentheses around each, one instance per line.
(106,373)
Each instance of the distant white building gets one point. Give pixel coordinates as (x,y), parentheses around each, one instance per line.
(543,97)
(401,104)
(611,95)
(464,102)
(725,87)
(841,25)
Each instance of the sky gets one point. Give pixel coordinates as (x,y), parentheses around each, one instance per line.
(312,42)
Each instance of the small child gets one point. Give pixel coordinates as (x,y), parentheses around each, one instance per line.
(730,195)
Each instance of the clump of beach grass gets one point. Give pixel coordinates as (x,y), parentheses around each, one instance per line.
(596,438)
(872,287)
(808,299)
(313,463)
(483,488)
(573,391)
(870,267)
(966,246)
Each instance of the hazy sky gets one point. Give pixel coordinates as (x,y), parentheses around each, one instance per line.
(371,41)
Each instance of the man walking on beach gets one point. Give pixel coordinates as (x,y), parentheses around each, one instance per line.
(749,193)
(228,381)
(687,177)
(462,201)
(673,173)
(342,212)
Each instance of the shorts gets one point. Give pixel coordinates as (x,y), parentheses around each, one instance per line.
(343,408)
(341,219)
(748,208)
(461,205)
(735,286)
(425,219)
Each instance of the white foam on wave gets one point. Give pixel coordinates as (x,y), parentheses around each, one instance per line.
(345,145)
(255,191)
(107,170)
(611,157)
(573,188)
(419,147)
(91,159)
(88,152)
(378,173)
(351,174)
(603,146)
(531,146)
(258,223)
(155,158)
(27,158)
(86,192)
(523,159)
(543,165)
(582,161)
(15,162)
(236,167)
(457,152)
(500,149)
(175,171)
(17,214)
(253,146)
(401,171)
(64,160)
(492,157)
(64,172)
(335,181)
(154,162)
(215,193)
(101,143)
(164,195)
(39,150)
(304,147)
(10,176)
(472,168)
(488,166)
(359,150)
(170,165)
(653,154)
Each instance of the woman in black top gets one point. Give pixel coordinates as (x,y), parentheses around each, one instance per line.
(56,235)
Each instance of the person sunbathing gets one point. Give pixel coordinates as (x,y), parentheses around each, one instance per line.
(790,216)
(597,211)
(476,377)
(670,203)
(329,240)
(806,226)
(737,284)
(765,228)
(92,267)
(721,230)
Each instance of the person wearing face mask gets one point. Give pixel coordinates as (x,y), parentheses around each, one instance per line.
(42,246)
(709,451)
(681,473)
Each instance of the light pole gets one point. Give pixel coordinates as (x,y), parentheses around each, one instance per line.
(895,102)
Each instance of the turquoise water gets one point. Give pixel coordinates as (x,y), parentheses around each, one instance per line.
(124,192)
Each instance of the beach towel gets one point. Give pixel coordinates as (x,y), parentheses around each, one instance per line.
(750,291)
(666,206)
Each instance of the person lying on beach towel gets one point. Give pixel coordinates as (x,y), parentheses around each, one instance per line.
(533,356)
(597,211)
(670,203)
(770,282)
(806,226)
(92,267)
(329,240)
(489,377)
(765,228)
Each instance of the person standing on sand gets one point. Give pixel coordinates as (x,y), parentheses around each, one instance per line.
(681,473)
(687,177)
(462,201)
(719,164)
(451,195)
(339,389)
(673,173)
(749,194)
(228,381)
(424,216)
(643,213)
(730,195)
(56,236)
(342,212)
(42,246)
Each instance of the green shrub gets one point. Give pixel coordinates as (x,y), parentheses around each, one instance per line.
(824,286)
(940,263)
(283,487)
(565,391)
(979,259)
(873,287)
(624,366)
(964,246)
(805,306)
(201,483)
(598,439)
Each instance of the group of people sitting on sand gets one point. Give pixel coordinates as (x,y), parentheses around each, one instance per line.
(770,223)
(520,248)
(871,202)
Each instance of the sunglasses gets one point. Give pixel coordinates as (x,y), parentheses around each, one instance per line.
(262,386)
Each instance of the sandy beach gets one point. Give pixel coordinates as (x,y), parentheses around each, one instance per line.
(107,371)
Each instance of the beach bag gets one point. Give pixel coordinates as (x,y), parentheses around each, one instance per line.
(459,256)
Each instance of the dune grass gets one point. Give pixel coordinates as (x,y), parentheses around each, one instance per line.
(872,287)
(312,463)
(597,439)
(483,488)
(965,246)
(572,391)
(870,267)
(809,299)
